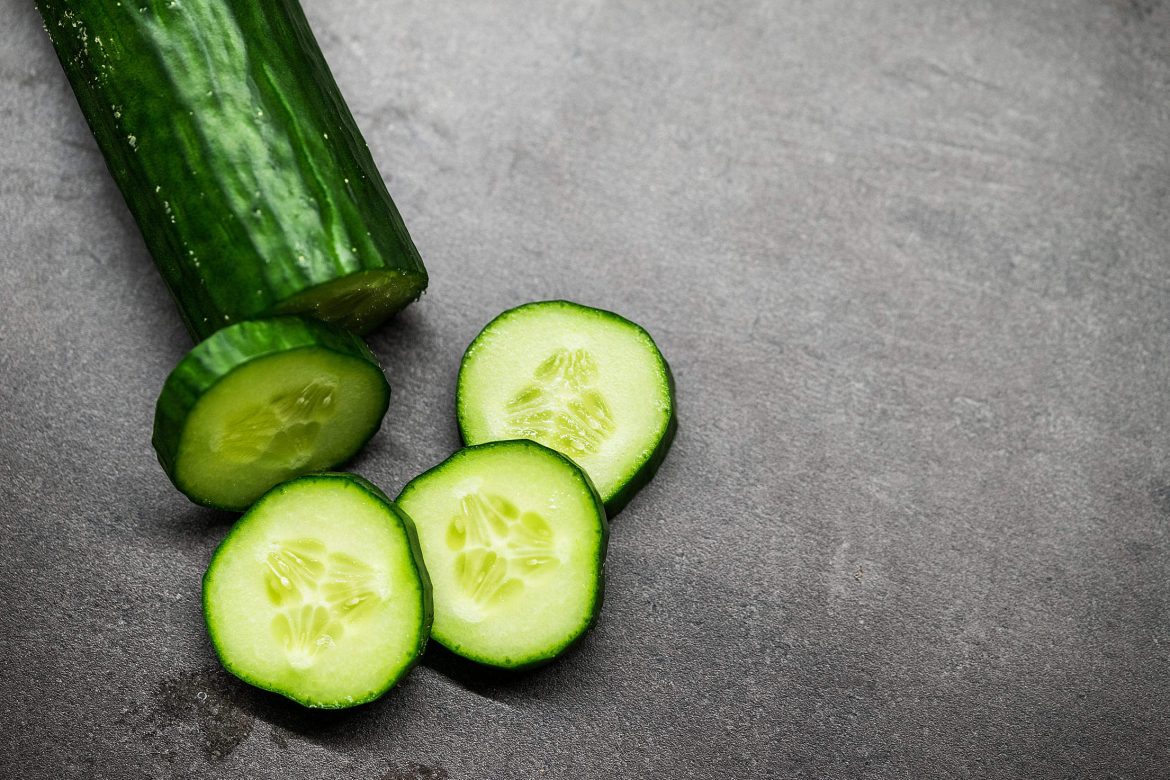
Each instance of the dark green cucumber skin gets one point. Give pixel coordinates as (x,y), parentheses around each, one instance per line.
(227,350)
(521,664)
(405,524)
(234,149)
(617,502)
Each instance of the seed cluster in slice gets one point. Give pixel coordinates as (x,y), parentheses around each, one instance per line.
(283,430)
(498,549)
(563,408)
(585,382)
(319,593)
(262,401)
(316,592)
(514,536)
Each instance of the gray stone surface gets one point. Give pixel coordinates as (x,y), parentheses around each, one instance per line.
(909,261)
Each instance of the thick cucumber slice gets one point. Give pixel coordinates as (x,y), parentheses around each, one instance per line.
(585,382)
(262,401)
(319,593)
(514,537)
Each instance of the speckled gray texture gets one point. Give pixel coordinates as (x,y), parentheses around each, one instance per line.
(910,262)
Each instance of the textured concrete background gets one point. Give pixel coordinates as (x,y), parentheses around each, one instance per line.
(909,260)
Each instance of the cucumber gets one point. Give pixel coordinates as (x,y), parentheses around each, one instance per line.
(514,536)
(238,158)
(319,593)
(586,382)
(262,401)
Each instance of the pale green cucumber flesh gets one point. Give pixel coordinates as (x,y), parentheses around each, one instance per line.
(583,381)
(263,401)
(514,536)
(319,593)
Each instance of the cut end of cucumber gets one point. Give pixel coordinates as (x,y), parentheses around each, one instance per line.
(361,301)
(319,593)
(261,402)
(585,382)
(514,536)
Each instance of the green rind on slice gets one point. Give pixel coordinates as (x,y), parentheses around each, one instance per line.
(262,401)
(319,593)
(514,535)
(583,381)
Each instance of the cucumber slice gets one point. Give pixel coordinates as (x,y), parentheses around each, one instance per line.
(262,401)
(514,537)
(586,382)
(319,593)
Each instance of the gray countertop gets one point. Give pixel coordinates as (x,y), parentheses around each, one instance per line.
(910,262)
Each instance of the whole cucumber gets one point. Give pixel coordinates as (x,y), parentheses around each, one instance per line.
(238,157)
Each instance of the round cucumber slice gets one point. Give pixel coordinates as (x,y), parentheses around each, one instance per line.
(262,401)
(514,537)
(319,593)
(586,382)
